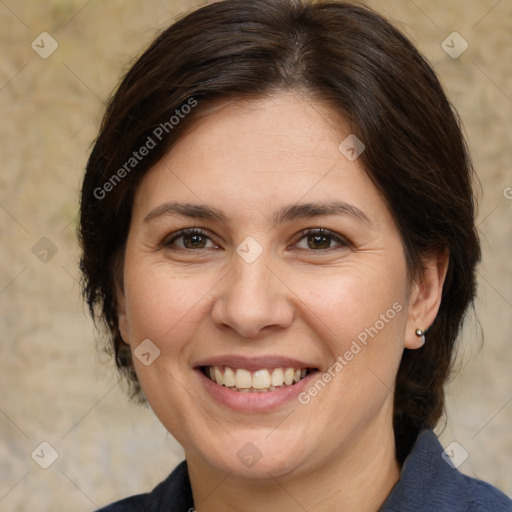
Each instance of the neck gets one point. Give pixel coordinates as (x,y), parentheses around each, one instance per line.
(359,478)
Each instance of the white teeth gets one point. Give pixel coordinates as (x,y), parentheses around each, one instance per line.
(242,379)
(218,376)
(261,381)
(288,376)
(229,377)
(277,377)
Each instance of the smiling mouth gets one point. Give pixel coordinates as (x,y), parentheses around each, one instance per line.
(260,381)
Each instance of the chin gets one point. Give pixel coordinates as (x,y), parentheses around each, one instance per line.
(259,459)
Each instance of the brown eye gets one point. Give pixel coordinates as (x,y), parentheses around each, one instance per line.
(194,241)
(191,239)
(321,239)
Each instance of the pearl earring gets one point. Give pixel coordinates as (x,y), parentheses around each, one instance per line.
(421,333)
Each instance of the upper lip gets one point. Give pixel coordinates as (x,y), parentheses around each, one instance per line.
(254,363)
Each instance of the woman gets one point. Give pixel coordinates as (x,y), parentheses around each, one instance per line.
(277,224)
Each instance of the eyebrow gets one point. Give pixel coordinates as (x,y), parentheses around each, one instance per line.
(285,214)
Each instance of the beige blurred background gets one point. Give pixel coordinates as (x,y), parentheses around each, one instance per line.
(55,387)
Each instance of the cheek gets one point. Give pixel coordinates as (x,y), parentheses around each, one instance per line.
(161,305)
(351,300)
(359,314)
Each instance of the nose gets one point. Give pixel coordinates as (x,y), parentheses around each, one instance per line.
(251,298)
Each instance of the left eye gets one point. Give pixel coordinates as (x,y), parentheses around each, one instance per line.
(320,239)
(192,239)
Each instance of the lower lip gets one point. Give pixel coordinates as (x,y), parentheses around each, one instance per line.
(253,402)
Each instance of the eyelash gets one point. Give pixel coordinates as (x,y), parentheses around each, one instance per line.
(303,234)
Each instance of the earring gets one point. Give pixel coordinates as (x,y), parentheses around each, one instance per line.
(421,334)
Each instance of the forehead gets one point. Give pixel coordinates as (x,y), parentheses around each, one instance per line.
(251,154)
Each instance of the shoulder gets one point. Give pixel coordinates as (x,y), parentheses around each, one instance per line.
(483,496)
(173,494)
(429,481)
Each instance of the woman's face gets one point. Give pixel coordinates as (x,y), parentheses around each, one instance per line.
(259,289)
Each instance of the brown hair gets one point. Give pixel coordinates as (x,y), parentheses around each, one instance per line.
(336,52)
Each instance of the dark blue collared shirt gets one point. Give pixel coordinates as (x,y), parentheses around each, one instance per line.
(427,484)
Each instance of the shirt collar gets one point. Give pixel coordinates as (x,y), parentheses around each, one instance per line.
(427,481)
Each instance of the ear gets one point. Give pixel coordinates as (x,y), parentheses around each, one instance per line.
(122,319)
(425,297)
(120,298)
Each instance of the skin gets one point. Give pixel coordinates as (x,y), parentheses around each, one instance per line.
(300,298)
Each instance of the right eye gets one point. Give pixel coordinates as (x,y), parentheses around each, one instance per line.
(192,238)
